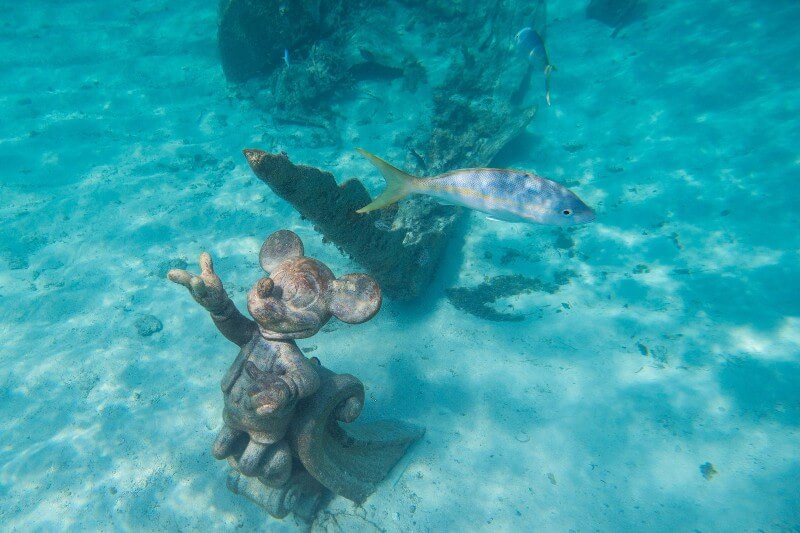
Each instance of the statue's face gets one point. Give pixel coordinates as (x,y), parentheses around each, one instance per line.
(293,302)
(301,294)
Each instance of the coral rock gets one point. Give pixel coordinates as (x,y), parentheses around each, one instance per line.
(401,254)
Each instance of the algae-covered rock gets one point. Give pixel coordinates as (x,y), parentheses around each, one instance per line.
(299,86)
(400,247)
(617,13)
(306,59)
(469,133)
(253,34)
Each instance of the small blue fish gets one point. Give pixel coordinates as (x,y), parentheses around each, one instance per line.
(286,56)
(530,44)
(510,195)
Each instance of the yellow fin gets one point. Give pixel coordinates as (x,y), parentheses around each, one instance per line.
(547,70)
(398,183)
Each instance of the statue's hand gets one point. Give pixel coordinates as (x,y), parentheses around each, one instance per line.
(269,392)
(206,289)
(349,409)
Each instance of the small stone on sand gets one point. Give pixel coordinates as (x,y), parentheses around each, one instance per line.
(146,325)
(708,470)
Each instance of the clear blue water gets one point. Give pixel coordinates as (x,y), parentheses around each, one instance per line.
(675,344)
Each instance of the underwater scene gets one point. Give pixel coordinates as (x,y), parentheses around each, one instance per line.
(400,265)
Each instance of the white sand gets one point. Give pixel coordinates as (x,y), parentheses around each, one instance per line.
(120,150)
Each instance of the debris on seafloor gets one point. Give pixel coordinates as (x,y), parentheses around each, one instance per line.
(478,300)
(400,248)
(617,13)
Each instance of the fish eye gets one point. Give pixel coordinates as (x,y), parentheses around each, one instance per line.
(567,212)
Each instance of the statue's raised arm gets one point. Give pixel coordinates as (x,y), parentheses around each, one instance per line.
(207,290)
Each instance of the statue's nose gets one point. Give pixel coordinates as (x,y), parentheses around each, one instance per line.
(264,287)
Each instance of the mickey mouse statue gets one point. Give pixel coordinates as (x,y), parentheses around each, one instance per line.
(279,405)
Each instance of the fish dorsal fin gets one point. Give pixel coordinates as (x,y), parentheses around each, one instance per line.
(539,19)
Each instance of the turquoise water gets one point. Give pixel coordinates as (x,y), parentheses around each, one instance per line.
(656,388)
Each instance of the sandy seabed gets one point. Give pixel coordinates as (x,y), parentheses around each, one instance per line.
(658,389)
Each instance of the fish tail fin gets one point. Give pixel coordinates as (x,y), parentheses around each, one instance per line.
(398,183)
(548,69)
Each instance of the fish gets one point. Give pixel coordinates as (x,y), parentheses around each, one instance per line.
(504,194)
(286,56)
(531,44)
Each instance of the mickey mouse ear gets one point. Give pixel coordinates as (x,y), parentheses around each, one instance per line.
(279,247)
(355,298)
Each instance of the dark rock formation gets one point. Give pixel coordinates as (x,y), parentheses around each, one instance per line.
(281,431)
(253,34)
(486,98)
(617,13)
(478,300)
(482,104)
(399,247)
(486,129)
